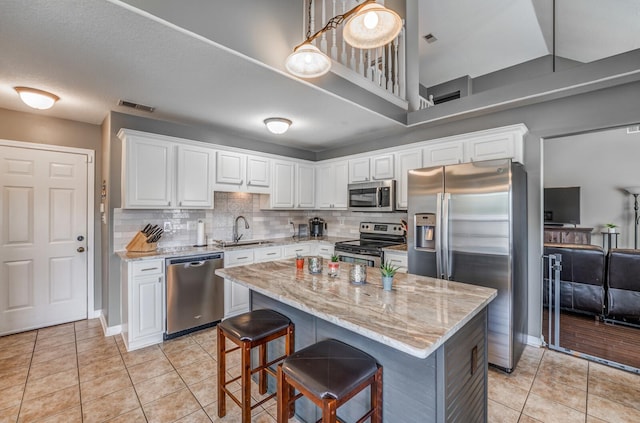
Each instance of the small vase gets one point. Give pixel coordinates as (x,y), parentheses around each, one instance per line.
(387,282)
(612,230)
(333,268)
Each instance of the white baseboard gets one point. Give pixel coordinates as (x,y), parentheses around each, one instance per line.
(95,314)
(534,341)
(109,330)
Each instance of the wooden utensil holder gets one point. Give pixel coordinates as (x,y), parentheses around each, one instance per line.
(139,244)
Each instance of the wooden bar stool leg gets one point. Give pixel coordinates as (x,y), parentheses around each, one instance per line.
(222,366)
(376,397)
(262,376)
(283,397)
(246,382)
(329,409)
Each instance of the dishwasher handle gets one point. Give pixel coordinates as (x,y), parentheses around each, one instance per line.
(196,263)
(198,260)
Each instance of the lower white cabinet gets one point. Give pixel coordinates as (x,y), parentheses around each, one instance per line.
(142,303)
(236,297)
(397,259)
(324,250)
(291,251)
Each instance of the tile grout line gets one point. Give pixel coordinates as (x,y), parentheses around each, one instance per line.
(132,384)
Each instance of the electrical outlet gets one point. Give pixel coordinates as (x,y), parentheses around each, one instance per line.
(290,222)
(191,225)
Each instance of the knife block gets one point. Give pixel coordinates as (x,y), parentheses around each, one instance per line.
(139,244)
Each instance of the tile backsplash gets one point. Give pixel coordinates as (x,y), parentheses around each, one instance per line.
(219,221)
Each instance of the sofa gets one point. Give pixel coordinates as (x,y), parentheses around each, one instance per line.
(623,284)
(595,283)
(582,278)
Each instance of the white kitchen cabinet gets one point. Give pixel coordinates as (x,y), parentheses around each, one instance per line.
(291,251)
(332,183)
(494,146)
(305,186)
(405,161)
(258,171)
(230,168)
(236,296)
(194,181)
(147,172)
(371,168)
(142,299)
(397,259)
(442,154)
(239,172)
(283,187)
(324,250)
(267,254)
(161,174)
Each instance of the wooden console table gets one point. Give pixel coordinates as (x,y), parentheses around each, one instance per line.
(564,235)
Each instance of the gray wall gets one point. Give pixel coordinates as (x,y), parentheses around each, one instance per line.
(34,128)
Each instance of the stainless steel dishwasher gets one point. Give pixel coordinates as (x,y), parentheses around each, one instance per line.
(195,295)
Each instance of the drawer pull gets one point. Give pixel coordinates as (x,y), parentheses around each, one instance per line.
(271,254)
(242,258)
(149,268)
(300,249)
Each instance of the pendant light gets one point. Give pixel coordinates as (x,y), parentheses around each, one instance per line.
(368,25)
(37,99)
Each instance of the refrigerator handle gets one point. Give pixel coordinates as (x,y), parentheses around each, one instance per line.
(446,253)
(439,268)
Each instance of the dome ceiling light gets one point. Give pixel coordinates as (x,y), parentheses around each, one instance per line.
(277,126)
(368,25)
(37,99)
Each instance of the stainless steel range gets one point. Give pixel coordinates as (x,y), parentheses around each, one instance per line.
(373,238)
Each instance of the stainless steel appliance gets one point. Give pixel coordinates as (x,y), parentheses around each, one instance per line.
(378,196)
(317,227)
(195,295)
(373,238)
(468,223)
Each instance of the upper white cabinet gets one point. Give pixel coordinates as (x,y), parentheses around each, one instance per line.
(442,154)
(494,146)
(405,161)
(283,189)
(242,173)
(306,188)
(158,174)
(331,186)
(371,168)
(194,180)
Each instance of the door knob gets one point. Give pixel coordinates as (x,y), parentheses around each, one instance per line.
(80,249)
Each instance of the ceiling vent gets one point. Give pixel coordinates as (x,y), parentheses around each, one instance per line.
(136,106)
(635,129)
(430,38)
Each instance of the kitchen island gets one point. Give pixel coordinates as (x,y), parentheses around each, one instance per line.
(428,334)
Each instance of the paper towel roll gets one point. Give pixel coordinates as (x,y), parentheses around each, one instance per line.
(200,234)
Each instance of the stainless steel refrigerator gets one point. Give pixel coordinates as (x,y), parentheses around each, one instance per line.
(468,223)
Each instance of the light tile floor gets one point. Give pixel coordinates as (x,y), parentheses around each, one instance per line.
(72,373)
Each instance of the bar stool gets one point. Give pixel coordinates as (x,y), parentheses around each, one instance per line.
(253,329)
(329,373)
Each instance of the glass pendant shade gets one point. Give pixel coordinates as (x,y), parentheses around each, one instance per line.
(373,26)
(307,61)
(36,99)
(277,125)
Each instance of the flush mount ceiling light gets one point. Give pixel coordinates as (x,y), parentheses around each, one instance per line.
(368,25)
(36,99)
(277,126)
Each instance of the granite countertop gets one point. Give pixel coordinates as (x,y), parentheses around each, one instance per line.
(402,248)
(416,317)
(191,250)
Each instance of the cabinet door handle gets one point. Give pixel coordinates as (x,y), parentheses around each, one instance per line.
(160,279)
(241,181)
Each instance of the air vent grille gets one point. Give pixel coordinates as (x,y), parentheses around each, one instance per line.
(430,38)
(136,106)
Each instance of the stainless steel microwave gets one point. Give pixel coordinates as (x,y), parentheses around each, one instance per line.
(378,196)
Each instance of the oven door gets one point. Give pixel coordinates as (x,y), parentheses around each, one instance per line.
(369,260)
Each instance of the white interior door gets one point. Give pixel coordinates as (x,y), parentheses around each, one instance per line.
(43,232)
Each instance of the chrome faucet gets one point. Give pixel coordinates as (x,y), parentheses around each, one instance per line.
(237,237)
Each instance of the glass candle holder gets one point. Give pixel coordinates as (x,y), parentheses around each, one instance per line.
(314,264)
(358,274)
(333,268)
(299,263)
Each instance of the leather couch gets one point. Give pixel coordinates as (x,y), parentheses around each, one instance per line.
(582,278)
(623,284)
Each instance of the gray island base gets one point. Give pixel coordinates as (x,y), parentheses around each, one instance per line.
(429,335)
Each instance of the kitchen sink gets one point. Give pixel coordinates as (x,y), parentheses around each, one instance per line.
(226,244)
